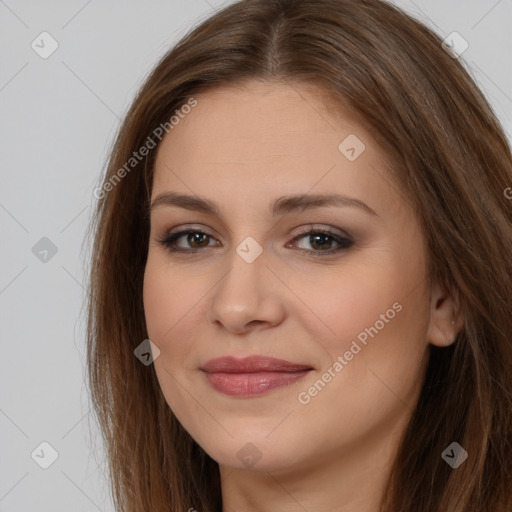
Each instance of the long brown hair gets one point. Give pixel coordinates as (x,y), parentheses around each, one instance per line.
(453,163)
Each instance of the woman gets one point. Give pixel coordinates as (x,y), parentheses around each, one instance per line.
(305,211)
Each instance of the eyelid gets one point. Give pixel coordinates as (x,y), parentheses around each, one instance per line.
(187,227)
(303,230)
(323,227)
(339,236)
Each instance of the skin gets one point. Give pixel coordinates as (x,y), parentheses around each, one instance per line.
(242,147)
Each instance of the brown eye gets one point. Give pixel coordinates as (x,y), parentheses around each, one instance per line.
(196,240)
(321,242)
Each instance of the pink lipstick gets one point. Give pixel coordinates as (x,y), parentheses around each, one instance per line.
(251,375)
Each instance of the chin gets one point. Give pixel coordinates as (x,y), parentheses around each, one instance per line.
(254,454)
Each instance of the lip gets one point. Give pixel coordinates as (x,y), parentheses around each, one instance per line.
(251,375)
(252,364)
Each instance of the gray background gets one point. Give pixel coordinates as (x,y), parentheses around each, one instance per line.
(58,118)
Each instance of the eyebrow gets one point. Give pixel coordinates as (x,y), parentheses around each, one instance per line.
(280,206)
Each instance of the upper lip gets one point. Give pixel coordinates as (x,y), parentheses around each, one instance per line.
(252,364)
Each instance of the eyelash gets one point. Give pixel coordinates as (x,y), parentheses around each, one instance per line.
(169,242)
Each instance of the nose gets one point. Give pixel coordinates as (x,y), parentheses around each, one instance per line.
(249,295)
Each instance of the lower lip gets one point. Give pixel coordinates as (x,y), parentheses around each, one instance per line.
(248,384)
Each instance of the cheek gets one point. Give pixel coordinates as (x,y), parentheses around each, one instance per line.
(167,309)
(344,302)
(159,302)
(375,313)
(379,334)
(167,299)
(166,304)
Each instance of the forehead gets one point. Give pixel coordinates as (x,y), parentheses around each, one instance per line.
(273,114)
(252,142)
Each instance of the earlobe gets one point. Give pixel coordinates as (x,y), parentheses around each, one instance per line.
(445,316)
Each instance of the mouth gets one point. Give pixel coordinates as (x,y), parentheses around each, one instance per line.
(252,375)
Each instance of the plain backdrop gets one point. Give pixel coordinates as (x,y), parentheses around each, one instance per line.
(58,116)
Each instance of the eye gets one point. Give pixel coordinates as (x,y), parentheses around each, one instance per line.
(197,239)
(320,239)
(323,239)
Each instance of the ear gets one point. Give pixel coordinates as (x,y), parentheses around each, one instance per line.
(446,318)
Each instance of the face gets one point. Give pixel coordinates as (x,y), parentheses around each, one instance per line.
(336,289)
